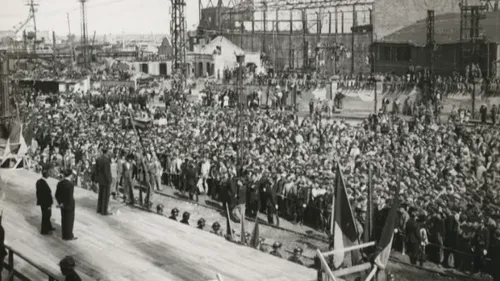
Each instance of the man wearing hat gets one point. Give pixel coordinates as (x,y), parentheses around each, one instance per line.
(481,245)
(297,253)
(64,196)
(413,237)
(44,200)
(67,266)
(127,179)
(191,178)
(495,271)
(104,179)
(275,252)
(216,229)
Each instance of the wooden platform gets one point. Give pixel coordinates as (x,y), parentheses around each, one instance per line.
(132,244)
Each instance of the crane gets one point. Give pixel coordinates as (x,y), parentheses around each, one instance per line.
(22,24)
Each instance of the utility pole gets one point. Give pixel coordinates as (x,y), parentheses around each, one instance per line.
(4,85)
(70,40)
(264,26)
(69,26)
(353,31)
(373,55)
(54,48)
(471,41)
(431,45)
(84,41)
(305,43)
(32,6)
(178,32)
(241,62)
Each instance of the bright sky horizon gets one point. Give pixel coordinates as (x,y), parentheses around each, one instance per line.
(103,16)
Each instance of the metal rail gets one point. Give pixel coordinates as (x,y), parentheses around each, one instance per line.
(9,265)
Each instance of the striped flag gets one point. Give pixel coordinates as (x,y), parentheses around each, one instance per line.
(142,123)
(345,233)
(384,245)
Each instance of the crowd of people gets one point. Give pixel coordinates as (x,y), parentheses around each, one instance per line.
(258,160)
(41,70)
(391,83)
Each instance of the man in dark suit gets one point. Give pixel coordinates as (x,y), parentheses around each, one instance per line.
(44,200)
(3,251)
(103,179)
(241,199)
(191,179)
(482,241)
(127,180)
(64,196)
(413,238)
(271,200)
(67,266)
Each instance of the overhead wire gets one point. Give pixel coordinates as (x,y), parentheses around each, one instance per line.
(65,10)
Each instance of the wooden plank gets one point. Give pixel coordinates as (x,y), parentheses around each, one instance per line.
(132,244)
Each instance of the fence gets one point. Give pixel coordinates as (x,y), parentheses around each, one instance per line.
(14,273)
(326,274)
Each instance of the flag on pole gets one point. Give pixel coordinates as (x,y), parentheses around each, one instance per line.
(254,242)
(23,148)
(384,245)
(229,230)
(345,233)
(243,237)
(142,123)
(29,132)
(6,150)
(369,214)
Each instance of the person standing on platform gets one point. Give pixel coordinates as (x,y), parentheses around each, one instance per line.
(64,196)
(3,251)
(104,179)
(127,180)
(67,266)
(44,200)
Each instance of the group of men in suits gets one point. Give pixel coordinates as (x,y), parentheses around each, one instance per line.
(66,203)
(65,197)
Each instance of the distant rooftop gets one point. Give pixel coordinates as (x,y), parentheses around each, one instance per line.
(447,28)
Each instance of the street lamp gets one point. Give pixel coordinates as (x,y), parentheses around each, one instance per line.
(240,59)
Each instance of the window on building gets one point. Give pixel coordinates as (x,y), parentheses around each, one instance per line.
(385,53)
(403,53)
(395,53)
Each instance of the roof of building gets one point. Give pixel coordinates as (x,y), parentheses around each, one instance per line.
(224,44)
(447,30)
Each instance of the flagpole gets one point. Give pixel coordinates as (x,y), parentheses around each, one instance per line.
(229,231)
(369,218)
(372,274)
(332,216)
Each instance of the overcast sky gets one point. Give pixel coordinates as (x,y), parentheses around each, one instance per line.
(104,16)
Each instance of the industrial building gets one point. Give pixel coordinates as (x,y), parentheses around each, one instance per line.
(334,37)
(296,35)
(407,47)
(219,54)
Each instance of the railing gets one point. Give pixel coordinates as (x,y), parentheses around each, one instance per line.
(9,265)
(326,274)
